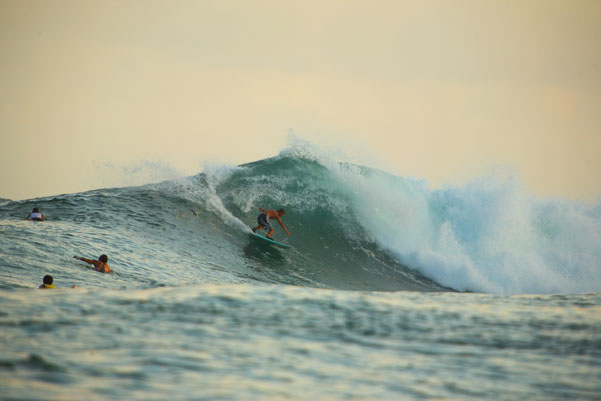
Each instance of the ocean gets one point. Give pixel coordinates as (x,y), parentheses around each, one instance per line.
(391,290)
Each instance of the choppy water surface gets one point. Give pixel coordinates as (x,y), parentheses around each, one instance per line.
(281,342)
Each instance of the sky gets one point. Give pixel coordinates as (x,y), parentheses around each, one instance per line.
(116,92)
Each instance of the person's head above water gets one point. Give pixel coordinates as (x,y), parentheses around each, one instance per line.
(35,215)
(103,258)
(281,212)
(48,279)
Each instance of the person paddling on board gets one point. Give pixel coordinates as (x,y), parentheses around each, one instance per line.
(100,265)
(264,217)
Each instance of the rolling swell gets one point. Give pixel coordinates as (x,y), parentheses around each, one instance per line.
(352,228)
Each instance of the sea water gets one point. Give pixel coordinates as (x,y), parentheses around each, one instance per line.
(391,290)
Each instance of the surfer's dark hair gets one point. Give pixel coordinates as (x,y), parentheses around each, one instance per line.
(281,211)
(35,210)
(103,258)
(48,279)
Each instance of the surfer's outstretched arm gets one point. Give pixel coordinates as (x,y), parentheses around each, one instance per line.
(283,226)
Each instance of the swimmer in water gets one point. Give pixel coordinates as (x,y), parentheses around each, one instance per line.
(48,280)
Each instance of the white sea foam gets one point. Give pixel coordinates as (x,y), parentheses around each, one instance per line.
(487,236)
(490,235)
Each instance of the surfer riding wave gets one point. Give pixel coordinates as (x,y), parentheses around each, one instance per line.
(263,221)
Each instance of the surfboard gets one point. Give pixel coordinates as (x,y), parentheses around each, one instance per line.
(272,242)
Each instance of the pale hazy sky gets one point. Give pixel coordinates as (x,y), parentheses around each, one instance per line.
(442,90)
